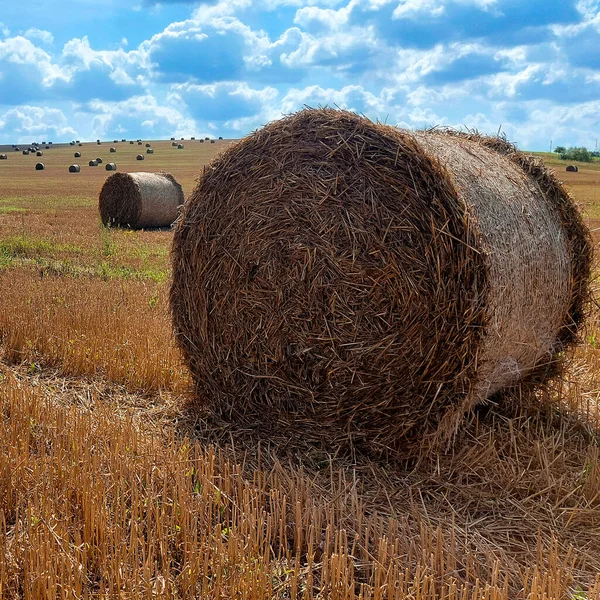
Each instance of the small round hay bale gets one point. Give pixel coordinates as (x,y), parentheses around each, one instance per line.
(80,145)
(140,200)
(131,142)
(149,151)
(201,141)
(192,138)
(71,143)
(182,139)
(212,141)
(572,169)
(116,141)
(47,148)
(220,137)
(364,280)
(39,153)
(25,152)
(123,140)
(3,157)
(99,160)
(139,143)
(148,145)
(40,166)
(74,169)
(207,138)
(172,138)
(180,146)
(174,144)
(98,143)
(111,166)
(17,149)
(139,157)
(112,149)
(77,155)
(78,141)
(93,163)
(50,143)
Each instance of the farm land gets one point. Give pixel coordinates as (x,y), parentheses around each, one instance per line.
(114,484)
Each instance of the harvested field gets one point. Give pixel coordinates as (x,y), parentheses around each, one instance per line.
(161,499)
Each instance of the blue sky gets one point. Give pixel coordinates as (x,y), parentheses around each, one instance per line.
(154,69)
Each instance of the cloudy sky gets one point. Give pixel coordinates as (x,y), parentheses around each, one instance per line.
(92,69)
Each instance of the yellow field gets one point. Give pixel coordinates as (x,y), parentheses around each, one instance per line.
(113,484)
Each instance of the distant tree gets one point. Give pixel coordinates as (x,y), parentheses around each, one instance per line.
(560,149)
(580,154)
(595,154)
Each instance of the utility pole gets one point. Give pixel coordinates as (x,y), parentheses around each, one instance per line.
(550,145)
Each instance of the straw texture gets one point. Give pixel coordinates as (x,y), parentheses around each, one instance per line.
(140,200)
(371,282)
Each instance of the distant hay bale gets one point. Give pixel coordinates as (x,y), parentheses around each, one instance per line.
(93,163)
(3,157)
(123,140)
(113,149)
(98,142)
(180,146)
(132,142)
(140,200)
(77,155)
(192,138)
(139,143)
(47,148)
(368,281)
(149,151)
(174,144)
(207,138)
(99,160)
(172,138)
(116,141)
(220,137)
(212,141)
(111,166)
(148,145)
(17,149)
(25,152)
(78,141)
(40,166)
(572,168)
(71,143)
(139,157)
(74,169)
(39,153)
(80,145)
(201,141)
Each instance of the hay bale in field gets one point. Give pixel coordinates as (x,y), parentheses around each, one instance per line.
(123,140)
(80,145)
(74,169)
(93,163)
(192,138)
(99,160)
(149,150)
(3,157)
(40,167)
(201,141)
(139,143)
(131,142)
(139,157)
(364,280)
(77,155)
(174,144)
(180,146)
(25,152)
(111,166)
(71,143)
(140,200)
(39,153)
(220,137)
(148,145)
(172,138)
(572,169)
(212,141)
(113,149)
(17,149)
(47,148)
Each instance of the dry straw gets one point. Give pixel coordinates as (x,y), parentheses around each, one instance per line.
(140,200)
(373,282)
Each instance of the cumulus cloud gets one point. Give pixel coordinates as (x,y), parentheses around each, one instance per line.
(39,34)
(27,122)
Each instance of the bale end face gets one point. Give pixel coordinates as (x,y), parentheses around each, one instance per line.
(139,157)
(111,166)
(74,169)
(40,167)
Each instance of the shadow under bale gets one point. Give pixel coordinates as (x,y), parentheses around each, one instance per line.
(140,200)
(367,283)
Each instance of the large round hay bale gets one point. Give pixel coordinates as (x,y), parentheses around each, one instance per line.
(113,149)
(111,166)
(139,157)
(148,145)
(77,155)
(3,157)
(149,151)
(99,160)
(140,200)
(74,169)
(212,141)
(40,166)
(93,163)
(180,146)
(572,168)
(39,153)
(357,278)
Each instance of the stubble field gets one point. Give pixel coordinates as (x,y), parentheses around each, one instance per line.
(114,484)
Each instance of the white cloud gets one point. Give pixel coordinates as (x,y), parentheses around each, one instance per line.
(39,34)
(25,122)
